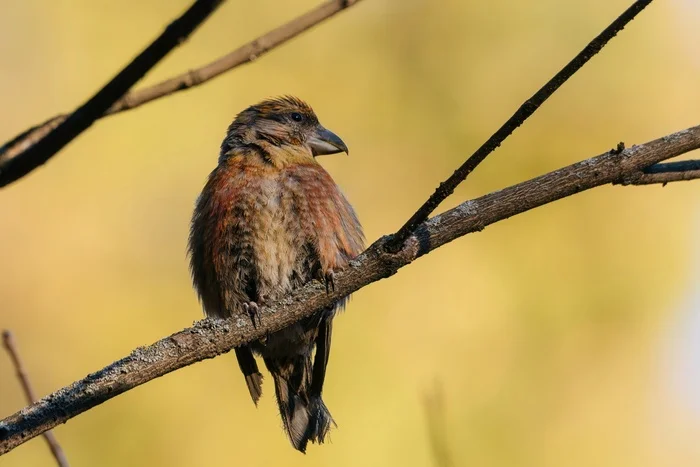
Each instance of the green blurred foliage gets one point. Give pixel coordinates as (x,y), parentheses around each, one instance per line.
(544,331)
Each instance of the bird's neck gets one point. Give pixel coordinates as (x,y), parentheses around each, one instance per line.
(273,153)
(284,155)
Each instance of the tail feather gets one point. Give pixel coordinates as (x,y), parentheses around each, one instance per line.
(305,418)
(320,421)
(254,384)
(253,377)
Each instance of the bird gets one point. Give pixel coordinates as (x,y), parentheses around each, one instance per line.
(269,220)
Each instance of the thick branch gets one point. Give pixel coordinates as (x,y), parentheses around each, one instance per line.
(80,120)
(529,107)
(242,55)
(209,338)
(664,173)
(8,341)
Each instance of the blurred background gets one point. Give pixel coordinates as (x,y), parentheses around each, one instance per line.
(567,335)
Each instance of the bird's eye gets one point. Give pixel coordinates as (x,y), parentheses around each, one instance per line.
(297,117)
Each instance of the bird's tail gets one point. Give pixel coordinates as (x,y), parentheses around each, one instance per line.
(304,415)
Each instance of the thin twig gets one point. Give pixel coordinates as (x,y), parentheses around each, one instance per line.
(68,129)
(242,55)
(447,187)
(8,341)
(209,338)
(664,173)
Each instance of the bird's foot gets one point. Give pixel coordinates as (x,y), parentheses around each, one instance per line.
(252,309)
(329,280)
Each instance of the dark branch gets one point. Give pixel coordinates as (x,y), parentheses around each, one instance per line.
(447,187)
(242,55)
(12,169)
(209,338)
(664,173)
(8,341)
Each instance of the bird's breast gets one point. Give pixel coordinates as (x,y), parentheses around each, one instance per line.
(272,230)
(275,237)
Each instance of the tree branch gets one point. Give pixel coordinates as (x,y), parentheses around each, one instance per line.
(19,145)
(8,341)
(664,173)
(242,55)
(529,107)
(209,338)
(80,120)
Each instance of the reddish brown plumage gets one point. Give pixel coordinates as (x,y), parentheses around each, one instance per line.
(270,219)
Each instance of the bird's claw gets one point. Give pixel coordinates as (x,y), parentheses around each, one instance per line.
(253,311)
(329,280)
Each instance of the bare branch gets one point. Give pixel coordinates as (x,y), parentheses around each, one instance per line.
(664,173)
(242,55)
(529,107)
(80,120)
(209,338)
(8,341)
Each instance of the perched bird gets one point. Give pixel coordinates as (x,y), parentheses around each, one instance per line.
(269,220)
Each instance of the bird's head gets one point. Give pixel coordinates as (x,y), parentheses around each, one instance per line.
(280,126)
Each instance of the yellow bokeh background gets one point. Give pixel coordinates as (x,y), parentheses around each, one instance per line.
(548,339)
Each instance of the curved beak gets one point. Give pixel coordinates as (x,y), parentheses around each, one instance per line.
(326,142)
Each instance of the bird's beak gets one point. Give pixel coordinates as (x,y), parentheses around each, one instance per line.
(326,142)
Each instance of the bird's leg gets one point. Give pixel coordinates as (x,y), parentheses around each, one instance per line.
(262,299)
(329,280)
(252,309)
